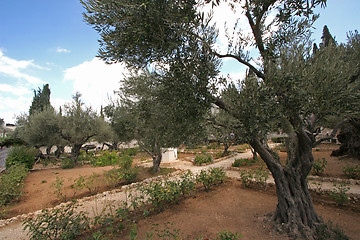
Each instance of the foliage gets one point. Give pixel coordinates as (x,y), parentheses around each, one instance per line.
(164,233)
(329,231)
(24,155)
(352,171)
(203,159)
(79,123)
(41,100)
(227,235)
(58,186)
(187,183)
(339,193)
(259,175)
(242,162)
(106,158)
(64,222)
(11,183)
(67,163)
(10,141)
(319,166)
(288,87)
(211,177)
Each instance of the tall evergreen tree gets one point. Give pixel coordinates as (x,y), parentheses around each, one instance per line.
(41,100)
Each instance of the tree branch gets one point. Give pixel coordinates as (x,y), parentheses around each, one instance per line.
(333,133)
(239,59)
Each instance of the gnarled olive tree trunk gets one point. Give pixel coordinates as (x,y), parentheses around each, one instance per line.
(295,212)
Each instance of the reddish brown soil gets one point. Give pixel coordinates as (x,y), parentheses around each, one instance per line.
(233,208)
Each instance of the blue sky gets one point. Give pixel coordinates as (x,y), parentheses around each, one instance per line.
(47,41)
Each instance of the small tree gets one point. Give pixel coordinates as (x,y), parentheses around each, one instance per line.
(79,124)
(42,129)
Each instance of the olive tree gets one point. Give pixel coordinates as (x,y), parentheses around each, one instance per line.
(290,88)
(78,124)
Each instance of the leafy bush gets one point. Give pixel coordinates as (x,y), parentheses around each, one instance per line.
(159,192)
(241,162)
(105,159)
(131,151)
(67,163)
(125,162)
(319,166)
(201,159)
(339,193)
(60,223)
(8,142)
(11,183)
(24,155)
(210,177)
(259,175)
(352,172)
(85,157)
(187,183)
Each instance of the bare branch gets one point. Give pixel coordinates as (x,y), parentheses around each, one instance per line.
(239,59)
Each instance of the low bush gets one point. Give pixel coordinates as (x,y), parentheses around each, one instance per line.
(105,159)
(258,175)
(11,183)
(131,151)
(352,172)
(242,162)
(59,223)
(339,193)
(203,159)
(319,166)
(210,177)
(9,141)
(67,163)
(24,155)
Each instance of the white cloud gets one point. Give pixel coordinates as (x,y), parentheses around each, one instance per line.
(62,50)
(96,80)
(15,90)
(14,68)
(11,107)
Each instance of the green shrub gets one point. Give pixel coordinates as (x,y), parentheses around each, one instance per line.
(85,157)
(8,142)
(131,151)
(242,162)
(210,177)
(339,193)
(11,183)
(60,223)
(201,159)
(105,159)
(187,183)
(227,235)
(259,175)
(159,192)
(319,166)
(24,155)
(352,172)
(125,162)
(67,163)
